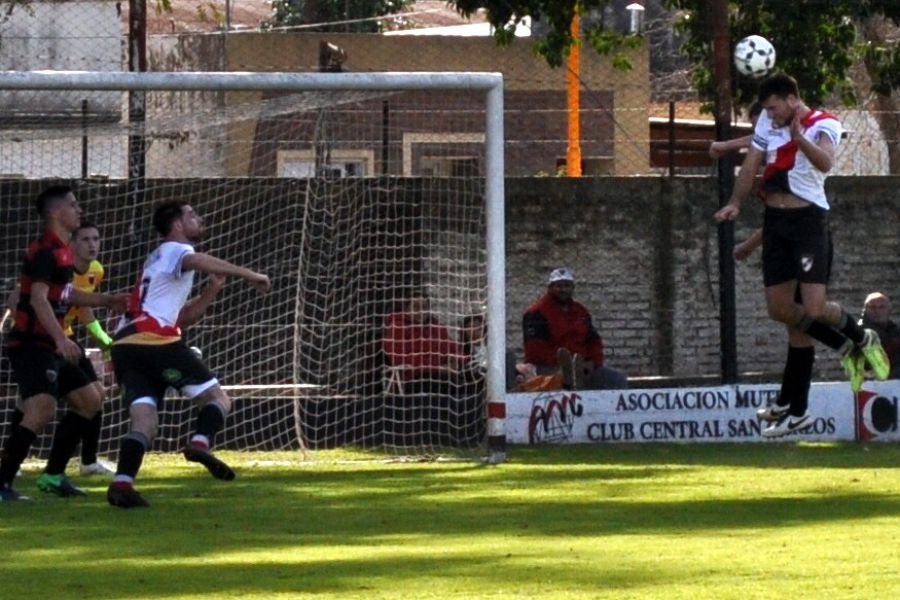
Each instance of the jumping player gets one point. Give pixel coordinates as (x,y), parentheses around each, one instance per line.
(150,356)
(798,145)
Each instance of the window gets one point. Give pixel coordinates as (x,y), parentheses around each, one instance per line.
(443,154)
(343,163)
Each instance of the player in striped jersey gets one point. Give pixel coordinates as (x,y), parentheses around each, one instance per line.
(46,363)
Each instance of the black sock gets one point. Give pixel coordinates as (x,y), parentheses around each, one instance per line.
(210,421)
(17,417)
(820,331)
(14,452)
(797,377)
(90,439)
(851,329)
(131,454)
(65,439)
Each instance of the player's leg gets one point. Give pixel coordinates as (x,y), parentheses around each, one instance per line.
(77,387)
(140,378)
(198,383)
(144,424)
(214,405)
(90,441)
(84,404)
(791,411)
(35,372)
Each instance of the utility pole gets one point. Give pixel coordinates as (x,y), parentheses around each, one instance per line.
(721,69)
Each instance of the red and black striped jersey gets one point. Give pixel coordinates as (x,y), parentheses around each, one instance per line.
(50,261)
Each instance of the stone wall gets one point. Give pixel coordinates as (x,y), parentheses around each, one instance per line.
(646,260)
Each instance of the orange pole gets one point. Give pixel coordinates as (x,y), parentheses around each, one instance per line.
(573,101)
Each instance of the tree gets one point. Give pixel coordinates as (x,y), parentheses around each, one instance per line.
(819,42)
(287,13)
(557,15)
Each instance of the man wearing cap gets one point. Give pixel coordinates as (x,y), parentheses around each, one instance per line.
(877,317)
(557,326)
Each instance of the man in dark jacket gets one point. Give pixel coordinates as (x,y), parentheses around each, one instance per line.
(557,321)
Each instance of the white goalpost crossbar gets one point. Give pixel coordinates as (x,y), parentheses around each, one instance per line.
(491,84)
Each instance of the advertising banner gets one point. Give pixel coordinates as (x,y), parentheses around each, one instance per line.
(701,414)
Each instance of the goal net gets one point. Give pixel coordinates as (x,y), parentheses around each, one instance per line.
(370,201)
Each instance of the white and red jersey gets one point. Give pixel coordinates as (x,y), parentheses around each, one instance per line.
(787,169)
(161,291)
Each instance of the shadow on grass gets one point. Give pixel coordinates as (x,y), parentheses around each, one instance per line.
(782,455)
(84,548)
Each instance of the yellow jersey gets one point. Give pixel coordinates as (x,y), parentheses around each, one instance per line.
(88,281)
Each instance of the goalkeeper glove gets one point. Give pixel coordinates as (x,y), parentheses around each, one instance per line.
(96,330)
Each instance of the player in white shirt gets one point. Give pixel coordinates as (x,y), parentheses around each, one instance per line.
(797,145)
(150,356)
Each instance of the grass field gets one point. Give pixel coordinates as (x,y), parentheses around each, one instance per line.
(638,521)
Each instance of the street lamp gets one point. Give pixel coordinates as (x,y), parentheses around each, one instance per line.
(636,11)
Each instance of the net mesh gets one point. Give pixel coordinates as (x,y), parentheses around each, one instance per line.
(364,212)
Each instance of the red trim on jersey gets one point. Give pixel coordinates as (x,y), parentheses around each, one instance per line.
(786,155)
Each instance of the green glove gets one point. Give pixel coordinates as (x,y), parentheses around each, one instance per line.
(96,331)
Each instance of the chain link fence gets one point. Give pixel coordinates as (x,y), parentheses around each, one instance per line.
(644,121)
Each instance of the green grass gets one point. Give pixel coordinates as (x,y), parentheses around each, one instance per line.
(637,521)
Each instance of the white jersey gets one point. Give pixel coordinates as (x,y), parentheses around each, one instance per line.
(158,297)
(788,170)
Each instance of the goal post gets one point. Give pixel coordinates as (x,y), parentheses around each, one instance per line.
(445,188)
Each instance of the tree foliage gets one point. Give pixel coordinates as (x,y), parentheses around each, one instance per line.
(505,15)
(288,13)
(817,41)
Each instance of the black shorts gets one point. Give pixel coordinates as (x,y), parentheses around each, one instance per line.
(796,246)
(149,370)
(40,370)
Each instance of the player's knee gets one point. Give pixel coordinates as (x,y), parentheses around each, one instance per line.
(782,314)
(37,412)
(816,310)
(86,402)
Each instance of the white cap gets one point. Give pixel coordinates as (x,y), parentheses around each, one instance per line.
(561,274)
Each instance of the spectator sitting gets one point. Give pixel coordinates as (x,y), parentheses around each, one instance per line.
(472,339)
(416,342)
(556,321)
(877,316)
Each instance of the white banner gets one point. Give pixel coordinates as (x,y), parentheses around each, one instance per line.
(702,414)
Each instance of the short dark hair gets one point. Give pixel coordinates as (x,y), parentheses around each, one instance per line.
(85,224)
(755,110)
(50,197)
(165,214)
(780,85)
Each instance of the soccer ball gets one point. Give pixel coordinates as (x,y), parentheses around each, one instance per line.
(754,56)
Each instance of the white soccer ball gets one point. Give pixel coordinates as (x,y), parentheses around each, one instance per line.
(754,56)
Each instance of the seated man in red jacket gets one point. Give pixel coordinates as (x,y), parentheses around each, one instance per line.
(416,342)
(557,321)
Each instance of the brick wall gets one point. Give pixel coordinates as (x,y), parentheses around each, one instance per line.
(645,255)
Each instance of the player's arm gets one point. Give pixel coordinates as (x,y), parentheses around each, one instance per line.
(748,246)
(44,313)
(717,149)
(87,318)
(115,302)
(742,186)
(820,153)
(199,261)
(196,307)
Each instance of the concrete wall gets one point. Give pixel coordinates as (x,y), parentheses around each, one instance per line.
(645,254)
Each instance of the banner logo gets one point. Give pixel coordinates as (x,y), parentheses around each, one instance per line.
(552,417)
(875,416)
